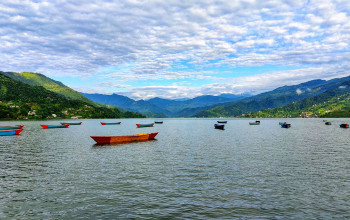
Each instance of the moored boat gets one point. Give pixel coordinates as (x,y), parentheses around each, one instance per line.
(158,122)
(10,132)
(11,127)
(144,125)
(71,123)
(285,125)
(55,126)
(217,126)
(124,139)
(344,125)
(328,123)
(254,123)
(222,122)
(110,123)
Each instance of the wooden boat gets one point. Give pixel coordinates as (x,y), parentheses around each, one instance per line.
(144,125)
(55,126)
(222,122)
(110,123)
(158,122)
(10,132)
(254,123)
(285,125)
(71,123)
(217,126)
(344,125)
(328,123)
(11,127)
(124,139)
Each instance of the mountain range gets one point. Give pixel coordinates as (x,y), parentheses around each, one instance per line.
(159,107)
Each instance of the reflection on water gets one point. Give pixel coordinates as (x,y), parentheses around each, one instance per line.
(191,171)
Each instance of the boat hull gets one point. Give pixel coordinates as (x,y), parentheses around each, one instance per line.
(11,127)
(222,122)
(124,139)
(285,125)
(344,125)
(222,127)
(111,123)
(10,132)
(71,123)
(328,123)
(144,125)
(54,126)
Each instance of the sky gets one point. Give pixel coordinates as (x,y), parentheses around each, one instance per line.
(176,49)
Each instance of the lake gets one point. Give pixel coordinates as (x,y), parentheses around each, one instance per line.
(191,171)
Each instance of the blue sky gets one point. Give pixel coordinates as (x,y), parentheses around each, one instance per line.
(175,49)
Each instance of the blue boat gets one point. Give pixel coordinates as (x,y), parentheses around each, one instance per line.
(285,125)
(110,123)
(144,125)
(7,132)
(11,127)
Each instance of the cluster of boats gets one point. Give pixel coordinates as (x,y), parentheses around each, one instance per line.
(15,130)
(11,130)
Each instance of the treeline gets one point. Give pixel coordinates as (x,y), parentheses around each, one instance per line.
(22,101)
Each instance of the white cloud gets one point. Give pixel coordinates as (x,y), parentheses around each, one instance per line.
(78,38)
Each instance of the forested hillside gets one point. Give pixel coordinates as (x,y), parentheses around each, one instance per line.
(37,79)
(19,100)
(332,103)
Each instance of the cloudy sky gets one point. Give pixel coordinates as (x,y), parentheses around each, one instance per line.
(176,49)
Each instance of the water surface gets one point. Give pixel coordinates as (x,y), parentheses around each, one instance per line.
(192,171)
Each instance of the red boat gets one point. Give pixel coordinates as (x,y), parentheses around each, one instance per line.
(124,139)
(18,131)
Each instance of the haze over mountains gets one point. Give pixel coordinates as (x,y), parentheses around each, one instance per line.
(158,107)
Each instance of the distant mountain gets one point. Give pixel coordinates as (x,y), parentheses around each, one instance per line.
(278,97)
(163,107)
(19,100)
(331,103)
(37,79)
(141,106)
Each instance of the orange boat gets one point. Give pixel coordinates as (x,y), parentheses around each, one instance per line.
(124,139)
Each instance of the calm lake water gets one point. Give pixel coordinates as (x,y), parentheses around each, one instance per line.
(191,171)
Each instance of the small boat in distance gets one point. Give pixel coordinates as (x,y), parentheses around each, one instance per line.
(110,123)
(55,126)
(217,126)
(344,125)
(71,123)
(124,139)
(324,120)
(144,125)
(285,125)
(222,122)
(11,127)
(158,122)
(328,123)
(254,123)
(10,132)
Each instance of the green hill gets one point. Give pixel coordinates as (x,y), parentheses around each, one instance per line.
(332,103)
(278,97)
(37,79)
(19,100)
